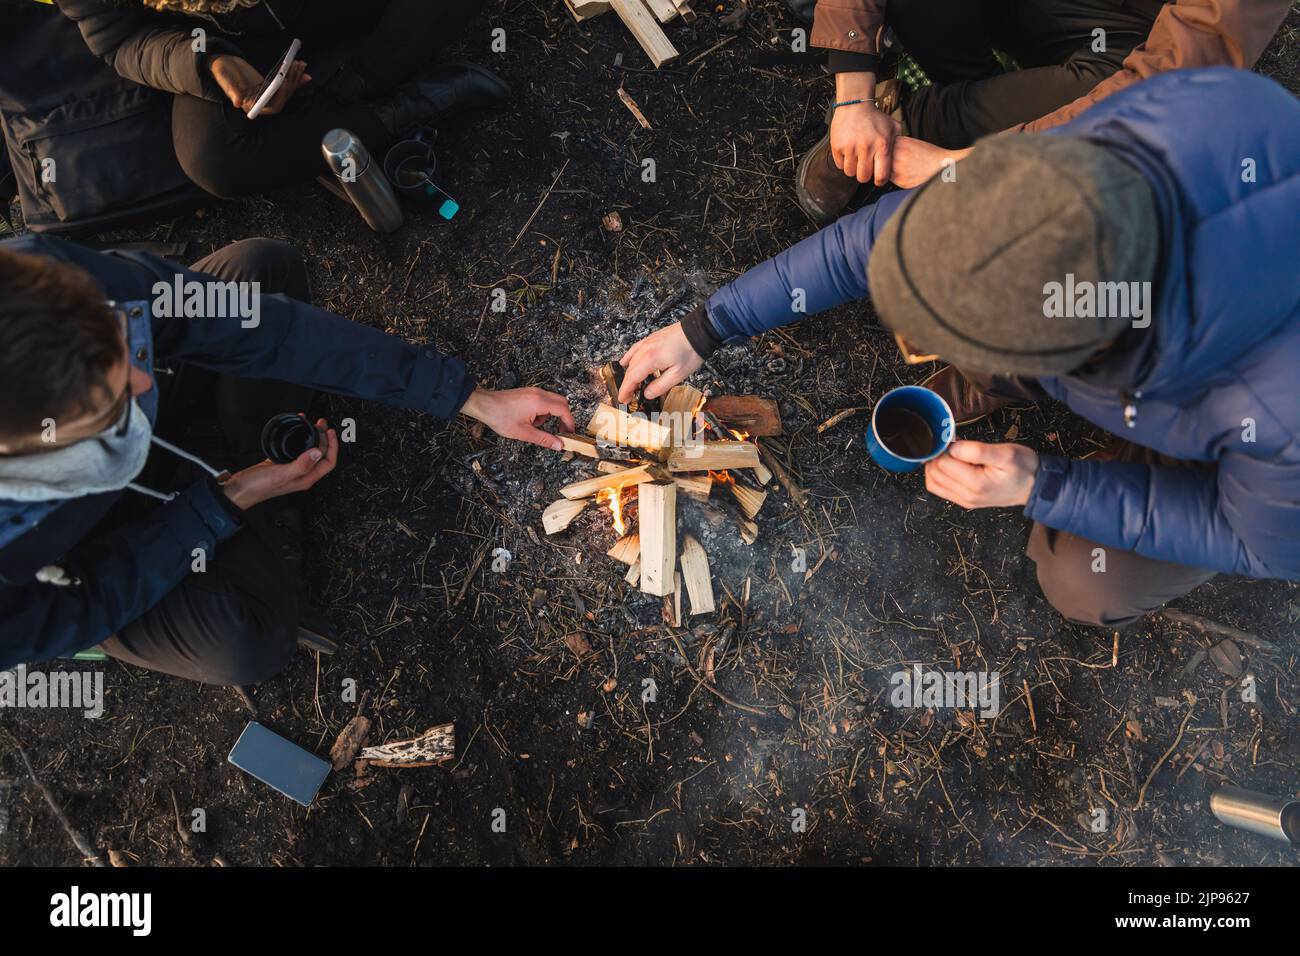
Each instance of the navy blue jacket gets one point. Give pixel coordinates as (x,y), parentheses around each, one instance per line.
(122,574)
(1218,382)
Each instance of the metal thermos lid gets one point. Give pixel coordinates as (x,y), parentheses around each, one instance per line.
(345,154)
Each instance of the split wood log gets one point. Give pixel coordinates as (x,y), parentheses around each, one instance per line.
(658,532)
(586,9)
(619,479)
(713,456)
(633,576)
(678,412)
(617,426)
(559,514)
(752,414)
(626,549)
(695,575)
(749,499)
(664,10)
(647,33)
(677,599)
(436,745)
(698,487)
(590,447)
(684,8)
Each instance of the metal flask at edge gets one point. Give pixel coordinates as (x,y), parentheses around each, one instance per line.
(362,180)
(1258,813)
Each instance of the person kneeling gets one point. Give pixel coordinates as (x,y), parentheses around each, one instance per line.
(194,571)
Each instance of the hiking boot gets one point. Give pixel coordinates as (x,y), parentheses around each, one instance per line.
(822,190)
(442,92)
(969,402)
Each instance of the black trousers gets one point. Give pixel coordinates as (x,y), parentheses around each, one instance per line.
(235,622)
(1051,40)
(377,43)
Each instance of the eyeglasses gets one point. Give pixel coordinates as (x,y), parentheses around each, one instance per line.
(910,355)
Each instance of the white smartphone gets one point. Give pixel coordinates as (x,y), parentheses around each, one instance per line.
(273,81)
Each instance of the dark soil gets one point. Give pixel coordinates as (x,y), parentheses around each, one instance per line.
(542,665)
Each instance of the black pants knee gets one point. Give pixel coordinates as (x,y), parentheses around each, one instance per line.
(236,620)
(1051,40)
(229,155)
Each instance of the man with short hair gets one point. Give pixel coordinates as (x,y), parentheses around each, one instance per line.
(1013,269)
(137,510)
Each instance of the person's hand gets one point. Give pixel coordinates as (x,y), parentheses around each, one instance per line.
(267,480)
(667,351)
(915,160)
(240,81)
(974,474)
(516,413)
(862,142)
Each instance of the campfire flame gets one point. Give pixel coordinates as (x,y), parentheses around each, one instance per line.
(721,476)
(614,498)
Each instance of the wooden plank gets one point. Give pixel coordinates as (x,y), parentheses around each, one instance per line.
(684,8)
(633,576)
(558,514)
(619,479)
(647,33)
(626,549)
(615,425)
(664,10)
(752,414)
(658,531)
(695,574)
(713,456)
(698,487)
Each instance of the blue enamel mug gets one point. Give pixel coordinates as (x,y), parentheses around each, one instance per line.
(910,425)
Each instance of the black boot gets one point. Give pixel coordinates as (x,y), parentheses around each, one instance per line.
(443,91)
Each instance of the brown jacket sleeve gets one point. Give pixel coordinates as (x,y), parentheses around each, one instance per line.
(1186,34)
(849,25)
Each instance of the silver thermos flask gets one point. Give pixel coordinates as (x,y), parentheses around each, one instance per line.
(362,180)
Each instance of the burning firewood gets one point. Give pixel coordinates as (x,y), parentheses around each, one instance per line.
(559,514)
(436,745)
(695,575)
(617,426)
(713,456)
(748,413)
(619,479)
(626,549)
(658,531)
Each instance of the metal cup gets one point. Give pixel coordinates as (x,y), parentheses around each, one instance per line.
(934,428)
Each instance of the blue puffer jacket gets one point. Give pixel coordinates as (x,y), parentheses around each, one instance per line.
(1220,382)
(122,574)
